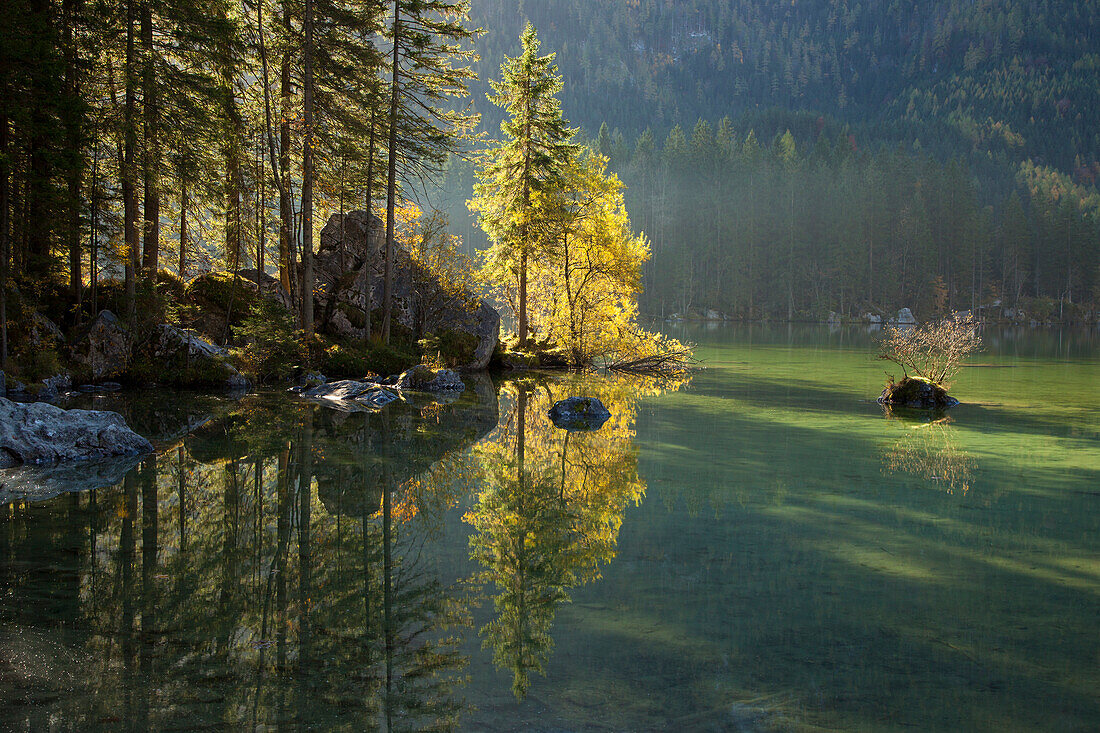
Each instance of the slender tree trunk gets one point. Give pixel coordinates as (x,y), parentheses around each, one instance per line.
(391,175)
(307,177)
(75,165)
(129,194)
(5,253)
(183,227)
(261,217)
(368,294)
(286,208)
(93,238)
(150,261)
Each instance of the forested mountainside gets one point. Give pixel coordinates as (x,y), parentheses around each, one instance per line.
(791,159)
(1010,79)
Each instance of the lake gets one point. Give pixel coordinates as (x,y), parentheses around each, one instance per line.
(760,547)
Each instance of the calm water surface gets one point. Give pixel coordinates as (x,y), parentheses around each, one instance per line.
(761,548)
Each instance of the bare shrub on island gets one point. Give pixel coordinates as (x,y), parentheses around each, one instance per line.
(933,351)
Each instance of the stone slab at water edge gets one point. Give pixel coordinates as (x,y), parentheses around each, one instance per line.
(39,432)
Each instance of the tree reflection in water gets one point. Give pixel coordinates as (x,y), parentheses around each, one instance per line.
(929,451)
(267,569)
(548,514)
(264,572)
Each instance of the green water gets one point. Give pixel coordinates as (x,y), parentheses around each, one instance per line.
(761,548)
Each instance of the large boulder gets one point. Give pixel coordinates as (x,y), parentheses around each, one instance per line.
(188,358)
(103,348)
(348,270)
(917,393)
(39,432)
(905,318)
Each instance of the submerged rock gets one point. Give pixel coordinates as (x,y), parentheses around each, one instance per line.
(579,413)
(916,392)
(39,432)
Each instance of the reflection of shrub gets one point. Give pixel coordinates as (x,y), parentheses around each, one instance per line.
(272,351)
(929,452)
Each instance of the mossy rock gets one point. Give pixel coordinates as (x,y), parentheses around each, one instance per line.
(916,392)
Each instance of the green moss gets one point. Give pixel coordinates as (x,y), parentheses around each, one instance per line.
(223,290)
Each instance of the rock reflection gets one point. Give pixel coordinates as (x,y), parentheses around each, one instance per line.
(548,513)
(263,572)
(929,451)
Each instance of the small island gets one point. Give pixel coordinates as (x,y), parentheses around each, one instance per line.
(930,355)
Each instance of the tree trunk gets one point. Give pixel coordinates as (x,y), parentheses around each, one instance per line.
(391,176)
(183,228)
(150,261)
(286,208)
(307,178)
(368,293)
(5,254)
(129,194)
(73,114)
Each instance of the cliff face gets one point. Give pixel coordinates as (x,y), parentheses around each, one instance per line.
(349,268)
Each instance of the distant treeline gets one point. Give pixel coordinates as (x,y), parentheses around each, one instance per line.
(796,226)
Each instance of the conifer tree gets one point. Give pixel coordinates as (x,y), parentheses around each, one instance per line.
(428,71)
(532,157)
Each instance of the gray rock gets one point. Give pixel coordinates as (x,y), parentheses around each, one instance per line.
(267,286)
(54,386)
(579,413)
(44,333)
(348,268)
(37,483)
(104,347)
(343,390)
(424,379)
(172,342)
(39,432)
(312,379)
(905,317)
(349,395)
(179,347)
(377,398)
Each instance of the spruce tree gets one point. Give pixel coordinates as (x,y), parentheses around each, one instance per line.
(537,145)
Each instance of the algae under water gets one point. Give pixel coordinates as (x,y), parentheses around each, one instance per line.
(762,548)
